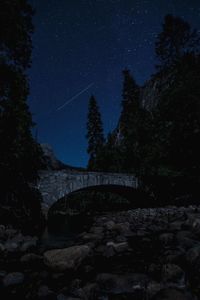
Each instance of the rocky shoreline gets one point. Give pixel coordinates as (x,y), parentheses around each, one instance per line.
(136,254)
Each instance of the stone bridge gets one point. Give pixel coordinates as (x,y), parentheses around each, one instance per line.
(54,185)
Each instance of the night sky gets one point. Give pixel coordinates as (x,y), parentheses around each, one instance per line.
(81,48)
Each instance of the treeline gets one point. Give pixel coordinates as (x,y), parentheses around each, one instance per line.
(20,155)
(164,138)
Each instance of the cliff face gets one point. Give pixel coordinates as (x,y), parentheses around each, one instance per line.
(51,162)
(150,94)
(154,88)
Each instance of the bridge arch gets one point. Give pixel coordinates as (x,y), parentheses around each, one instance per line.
(55,185)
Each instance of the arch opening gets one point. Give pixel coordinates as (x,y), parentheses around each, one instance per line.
(99,198)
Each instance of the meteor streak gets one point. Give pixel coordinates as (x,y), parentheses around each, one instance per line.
(74,97)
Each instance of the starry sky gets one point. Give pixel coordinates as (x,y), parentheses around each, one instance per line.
(81,48)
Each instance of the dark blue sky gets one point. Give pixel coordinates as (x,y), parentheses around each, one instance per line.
(81,43)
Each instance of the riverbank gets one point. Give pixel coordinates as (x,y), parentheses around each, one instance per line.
(136,254)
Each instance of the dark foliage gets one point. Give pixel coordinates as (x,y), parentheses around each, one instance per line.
(176,39)
(20,155)
(94,134)
(163,141)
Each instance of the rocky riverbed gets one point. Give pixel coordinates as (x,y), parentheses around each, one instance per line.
(136,254)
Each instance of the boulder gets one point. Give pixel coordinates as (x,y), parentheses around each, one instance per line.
(2,274)
(31,258)
(172,273)
(172,294)
(10,232)
(123,229)
(166,238)
(195,226)
(66,259)
(192,255)
(153,287)
(29,244)
(109,225)
(90,290)
(15,278)
(2,231)
(118,247)
(119,284)
(97,230)
(11,246)
(44,292)
(61,297)
(173,255)
(175,226)
(2,248)
(185,239)
(92,237)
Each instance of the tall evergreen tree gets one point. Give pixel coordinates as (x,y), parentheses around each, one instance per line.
(20,155)
(95,134)
(110,157)
(128,123)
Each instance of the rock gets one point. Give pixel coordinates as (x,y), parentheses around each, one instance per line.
(11,246)
(2,231)
(192,255)
(50,160)
(166,238)
(121,247)
(100,249)
(43,275)
(72,298)
(173,255)
(90,290)
(119,284)
(172,294)
(153,287)
(57,276)
(2,274)
(92,237)
(18,238)
(2,248)
(44,292)
(173,273)
(62,297)
(10,233)
(31,258)
(15,278)
(154,270)
(196,226)
(123,229)
(66,259)
(120,239)
(109,250)
(175,226)
(109,225)
(118,247)
(185,240)
(97,230)
(30,244)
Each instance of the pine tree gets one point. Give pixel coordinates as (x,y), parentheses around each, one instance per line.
(128,121)
(20,155)
(95,134)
